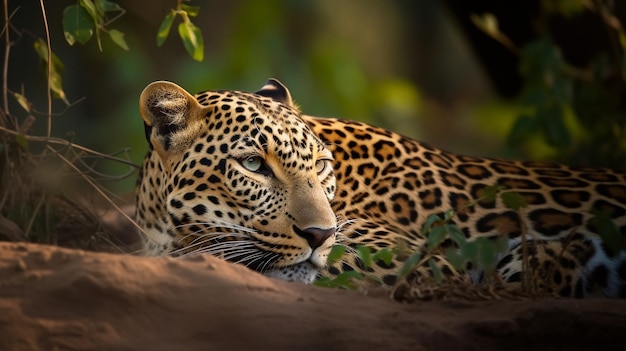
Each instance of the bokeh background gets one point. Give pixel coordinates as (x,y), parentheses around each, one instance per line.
(419,67)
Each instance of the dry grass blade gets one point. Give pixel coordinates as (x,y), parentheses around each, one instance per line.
(48,67)
(33,206)
(98,189)
(67,143)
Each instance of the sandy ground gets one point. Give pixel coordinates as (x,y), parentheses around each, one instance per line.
(62,299)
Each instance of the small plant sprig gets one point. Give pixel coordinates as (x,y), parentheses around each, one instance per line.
(482,252)
(346,279)
(80,21)
(189,33)
(55,75)
(607,230)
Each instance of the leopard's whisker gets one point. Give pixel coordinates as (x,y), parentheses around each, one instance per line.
(220,247)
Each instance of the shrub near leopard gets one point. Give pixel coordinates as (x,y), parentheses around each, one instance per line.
(248,178)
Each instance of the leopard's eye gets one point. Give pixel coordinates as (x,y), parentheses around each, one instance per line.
(252,163)
(256,164)
(321,165)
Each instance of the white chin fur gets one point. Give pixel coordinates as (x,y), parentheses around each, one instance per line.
(302,272)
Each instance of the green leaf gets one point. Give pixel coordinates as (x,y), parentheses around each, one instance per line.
(563,89)
(488,23)
(486,254)
(436,271)
(350,275)
(535,96)
(409,265)
(541,60)
(456,234)
(335,254)
(565,8)
(448,215)
(78,26)
(436,236)
(470,251)
(555,130)
(166,26)
(456,258)
(607,230)
(23,101)
(192,11)
(365,254)
(501,244)
(56,85)
(524,127)
(344,280)
(384,255)
(324,282)
(489,193)
(106,6)
(192,38)
(22,141)
(91,9)
(513,200)
(429,223)
(118,38)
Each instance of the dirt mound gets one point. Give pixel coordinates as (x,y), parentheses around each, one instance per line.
(61,299)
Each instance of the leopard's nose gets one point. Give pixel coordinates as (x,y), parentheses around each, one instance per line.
(314,236)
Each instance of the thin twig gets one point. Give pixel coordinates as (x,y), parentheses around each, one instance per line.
(33,216)
(36,112)
(5,117)
(63,142)
(99,190)
(120,14)
(48,66)
(5,68)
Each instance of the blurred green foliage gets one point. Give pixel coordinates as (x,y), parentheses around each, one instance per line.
(340,59)
(325,74)
(566,113)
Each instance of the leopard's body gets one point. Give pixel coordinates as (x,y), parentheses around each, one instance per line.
(248,178)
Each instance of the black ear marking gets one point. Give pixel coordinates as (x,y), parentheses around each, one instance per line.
(147,131)
(277,91)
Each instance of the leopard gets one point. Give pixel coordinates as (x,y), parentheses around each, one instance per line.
(249,178)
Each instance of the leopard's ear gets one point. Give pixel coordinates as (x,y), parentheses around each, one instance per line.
(167,111)
(277,91)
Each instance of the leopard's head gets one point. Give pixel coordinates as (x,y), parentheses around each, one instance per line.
(236,175)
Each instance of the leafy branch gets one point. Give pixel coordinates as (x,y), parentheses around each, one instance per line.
(346,279)
(481,252)
(28,201)
(80,21)
(576,112)
(189,33)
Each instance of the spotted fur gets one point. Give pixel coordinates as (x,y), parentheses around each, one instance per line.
(248,178)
